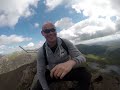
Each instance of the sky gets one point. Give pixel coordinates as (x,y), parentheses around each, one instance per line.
(80,21)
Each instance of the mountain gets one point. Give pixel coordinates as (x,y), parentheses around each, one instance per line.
(101,53)
(92,49)
(113,54)
(1,55)
(21,77)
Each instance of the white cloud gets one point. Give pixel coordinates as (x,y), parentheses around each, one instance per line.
(64,23)
(12,49)
(12,10)
(98,23)
(36,25)
(51,4)
(1,52)
(89,29)
(118,25)
(95,8)
(29,45)
(114,37)
(2,46)
(92,8)
(6,49)
(12,39)
(32,45)
(9,49)
(115,4)
(41,43)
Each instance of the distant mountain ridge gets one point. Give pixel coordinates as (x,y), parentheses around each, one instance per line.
(92,49)
(108,52)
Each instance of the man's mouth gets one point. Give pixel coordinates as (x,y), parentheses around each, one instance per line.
(51,36)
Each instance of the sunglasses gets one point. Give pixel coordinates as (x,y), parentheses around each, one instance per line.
(49,30)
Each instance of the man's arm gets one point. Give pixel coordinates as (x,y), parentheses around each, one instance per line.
(41,68)
(60,70)
(75,54)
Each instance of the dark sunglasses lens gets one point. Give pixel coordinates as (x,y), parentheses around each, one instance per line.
(53,30)
(49,30)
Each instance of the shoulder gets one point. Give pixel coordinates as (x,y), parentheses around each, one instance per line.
(40,50)
(66,41)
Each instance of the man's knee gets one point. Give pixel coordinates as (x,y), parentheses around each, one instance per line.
(88,77)
(37,86)
(84,74)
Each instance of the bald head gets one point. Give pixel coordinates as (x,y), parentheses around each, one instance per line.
(48,25)
(49,32)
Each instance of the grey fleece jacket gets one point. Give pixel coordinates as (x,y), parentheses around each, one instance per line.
(59,56)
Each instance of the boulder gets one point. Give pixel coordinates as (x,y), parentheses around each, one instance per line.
(24,77)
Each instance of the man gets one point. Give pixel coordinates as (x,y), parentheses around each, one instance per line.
(61,66)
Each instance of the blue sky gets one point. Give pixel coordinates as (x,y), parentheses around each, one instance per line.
(80,21)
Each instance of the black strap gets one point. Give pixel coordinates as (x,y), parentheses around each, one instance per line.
(44,50)
(64,46)
(45,56)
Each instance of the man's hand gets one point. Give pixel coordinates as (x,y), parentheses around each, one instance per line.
(60,70)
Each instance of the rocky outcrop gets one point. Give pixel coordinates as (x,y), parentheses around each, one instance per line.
(22,79)
(27,77)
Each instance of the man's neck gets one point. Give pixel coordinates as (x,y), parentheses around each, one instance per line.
(52,44)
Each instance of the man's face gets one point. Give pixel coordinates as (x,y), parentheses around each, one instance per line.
(49,32)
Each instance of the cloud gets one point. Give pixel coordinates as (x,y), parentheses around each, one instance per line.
(13,48)
(41,43)
(32,45)
(96,9)
(6,49)
(29,45)
(90,8)
(103,19)
(2,46)
(1,52)
(88,29)
(51,4)
(115,4)
(11,11)
(64,23)
(36,25)
(118,25)
(114,37)
(12,39)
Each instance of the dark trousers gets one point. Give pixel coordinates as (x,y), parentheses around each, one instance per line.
(79,74)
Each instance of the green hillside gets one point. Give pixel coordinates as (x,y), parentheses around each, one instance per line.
(100,54)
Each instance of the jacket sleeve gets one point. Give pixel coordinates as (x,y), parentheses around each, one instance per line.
(41,68)
(74,52)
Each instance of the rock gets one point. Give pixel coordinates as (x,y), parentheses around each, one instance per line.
(22,79)
(27,77)
(106,82)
